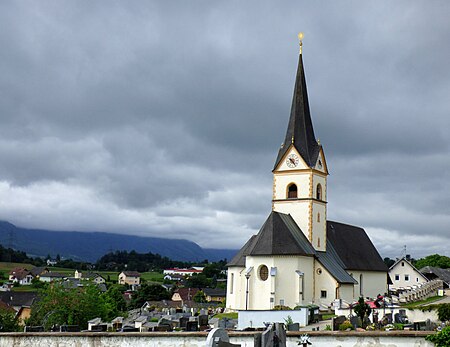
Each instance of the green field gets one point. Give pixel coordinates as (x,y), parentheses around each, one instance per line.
(7,267)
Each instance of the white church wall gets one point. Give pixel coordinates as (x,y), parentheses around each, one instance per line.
(318,179)
(282,182)
(319,213)
(325,289)
(289,283)
(373,283)
(346,292)
(283,287)
(235,288)
(298,210)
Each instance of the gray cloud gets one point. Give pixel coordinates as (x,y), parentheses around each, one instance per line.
(158,118)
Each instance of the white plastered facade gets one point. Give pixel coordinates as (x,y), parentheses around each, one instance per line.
(403,275)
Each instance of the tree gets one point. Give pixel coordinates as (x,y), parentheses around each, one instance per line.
(148,292)
(389,262)
(199,296)
(362,310)
(74,306)
(198,281)
(114,298)
(441,339)
(435,260)
(444,312)
(8,321)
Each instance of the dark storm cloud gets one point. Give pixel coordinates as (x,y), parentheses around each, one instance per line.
(165,117)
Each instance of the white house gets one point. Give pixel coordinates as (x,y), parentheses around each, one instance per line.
(177,272)
(404,274)
(299,257)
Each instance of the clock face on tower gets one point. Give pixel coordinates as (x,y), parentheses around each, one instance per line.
(292,160)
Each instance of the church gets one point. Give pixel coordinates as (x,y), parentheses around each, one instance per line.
(298,256)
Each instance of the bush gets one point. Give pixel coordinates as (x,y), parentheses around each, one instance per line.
(346,325)
(441,339)
(281,308)
(444,312)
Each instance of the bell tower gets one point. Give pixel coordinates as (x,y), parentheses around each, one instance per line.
(300,171)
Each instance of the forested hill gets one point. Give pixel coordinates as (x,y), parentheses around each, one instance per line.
(90,246)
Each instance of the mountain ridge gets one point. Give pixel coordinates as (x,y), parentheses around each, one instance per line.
(90,246)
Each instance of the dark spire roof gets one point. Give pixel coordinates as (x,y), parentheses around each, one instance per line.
(300,130)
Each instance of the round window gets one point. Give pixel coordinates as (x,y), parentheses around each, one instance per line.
(319,271)
(263,272)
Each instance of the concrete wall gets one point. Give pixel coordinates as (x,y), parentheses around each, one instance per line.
(318,339)
(256,319)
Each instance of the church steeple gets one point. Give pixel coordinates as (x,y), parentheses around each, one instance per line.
(300,130)
(300,172)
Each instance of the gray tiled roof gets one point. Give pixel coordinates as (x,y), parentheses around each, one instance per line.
(239,258)
(300,128)
(442,274)
(354,247)
(331,261)
(280,235)
(24,299)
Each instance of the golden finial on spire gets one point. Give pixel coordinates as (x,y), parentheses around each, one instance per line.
(318,141)
(300,38)
(292,139)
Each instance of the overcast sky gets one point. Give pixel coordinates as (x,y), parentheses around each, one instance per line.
(165,118)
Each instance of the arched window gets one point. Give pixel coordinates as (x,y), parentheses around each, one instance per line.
(318,218)
(263,272)
(319,192)
(361,287)
(292,191)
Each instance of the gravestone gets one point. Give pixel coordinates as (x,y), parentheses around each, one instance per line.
(389,318)
(375,317)
(355,321)
(219,338)
(162,328)
(34,329)
(280,332)
(69,328)
(203,320)
(183,322)
(338,321)
(192,326)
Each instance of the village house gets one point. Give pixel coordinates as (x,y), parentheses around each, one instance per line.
(89,276)
(129,277)
(404,274)
(175,274)
(20,302)
(51,277)
(21,276)
(215,295)
(184,294)
(299,257)
(38,270)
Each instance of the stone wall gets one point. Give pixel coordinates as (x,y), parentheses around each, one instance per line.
(198,339)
